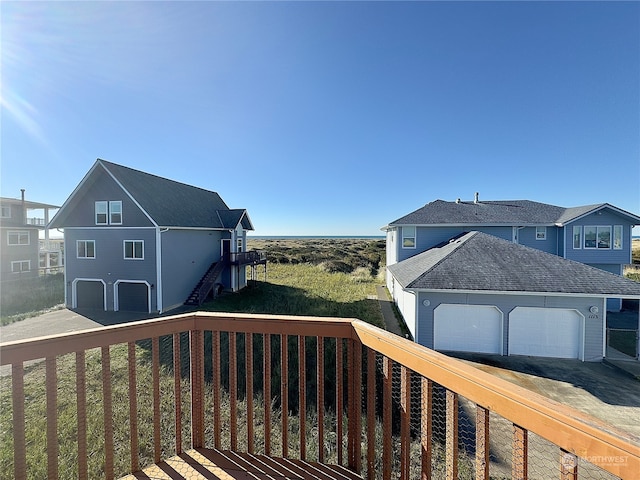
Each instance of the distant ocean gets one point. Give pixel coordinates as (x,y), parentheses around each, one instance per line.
(314,237)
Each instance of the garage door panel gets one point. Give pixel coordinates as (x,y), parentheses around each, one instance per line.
(545,332)
(90,294)
(133,297)
(468,328)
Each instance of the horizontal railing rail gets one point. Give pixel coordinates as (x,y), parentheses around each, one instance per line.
(327,390)
(249,257)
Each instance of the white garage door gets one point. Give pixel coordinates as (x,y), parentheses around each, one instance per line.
(467,328)
(545,332)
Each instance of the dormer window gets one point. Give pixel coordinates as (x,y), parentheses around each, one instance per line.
(109,213)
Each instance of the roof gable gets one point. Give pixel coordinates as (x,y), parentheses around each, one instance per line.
(477,261)
(504,212)
(165,202)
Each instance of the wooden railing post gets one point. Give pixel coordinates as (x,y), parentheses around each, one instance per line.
(266,380)
(81,409)
(216,383)
(405,405)
(52,417)
(197,382)
(302,403)
(177,391)
(371,412)
(387,399)
(19,442)
(426,427)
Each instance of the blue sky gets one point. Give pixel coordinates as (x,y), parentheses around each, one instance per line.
(327,118)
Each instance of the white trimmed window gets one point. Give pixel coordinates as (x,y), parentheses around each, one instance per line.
(86,248)
(598,237)
(101,212)
(408,237)
(239,245)
(577,237)
(617,237)
(541,233)
(134,249)
(18,237)
(115,212)
(19,266)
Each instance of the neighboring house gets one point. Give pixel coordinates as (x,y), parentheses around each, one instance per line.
(22,250)
(140,242)
(510,277)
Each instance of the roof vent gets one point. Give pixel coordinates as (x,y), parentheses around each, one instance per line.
(458,200)
(476,198)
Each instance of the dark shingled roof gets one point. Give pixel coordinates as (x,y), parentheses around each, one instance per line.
(477,261)
(504,212)
(170,203)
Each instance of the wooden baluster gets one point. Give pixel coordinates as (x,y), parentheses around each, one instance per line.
(405,405)
(339,398)
(426,428)
(355,402)
(108,413)
(284,393)
(387,398)
(452,435)
(155,373)
(52,416)
(248,356)
(371,412)
(266,382)
(519,464)
(568,465)
(177,391)
(215,382)
(320,399)
(133,406)
(81,408)
(302,404)
(233,391)
(196,352)
(482,443)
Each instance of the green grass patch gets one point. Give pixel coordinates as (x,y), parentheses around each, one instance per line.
(28,297)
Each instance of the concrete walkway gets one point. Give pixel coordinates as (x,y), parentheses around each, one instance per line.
(390,320)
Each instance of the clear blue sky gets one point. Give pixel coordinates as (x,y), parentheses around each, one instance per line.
(327,118)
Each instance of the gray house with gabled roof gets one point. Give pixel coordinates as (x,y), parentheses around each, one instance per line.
(510,277)
(137,241)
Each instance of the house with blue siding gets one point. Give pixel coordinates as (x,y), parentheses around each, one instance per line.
(510,277)
(140,242)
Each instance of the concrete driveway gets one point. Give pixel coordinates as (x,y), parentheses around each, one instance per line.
(596,388)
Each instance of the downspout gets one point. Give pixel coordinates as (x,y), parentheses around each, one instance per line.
(159,305)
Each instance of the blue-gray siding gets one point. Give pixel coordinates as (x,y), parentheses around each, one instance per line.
(109,263)
(186,256)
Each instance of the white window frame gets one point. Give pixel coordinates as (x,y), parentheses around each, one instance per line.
(541,233)
(115,205)
(86,242)
(133,249)
(599,228)
(577,237)
(5,211)
(409,238)
(617,241)
(20,263)
(19,234)
(102,208)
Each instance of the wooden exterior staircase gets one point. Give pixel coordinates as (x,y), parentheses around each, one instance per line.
(207,282)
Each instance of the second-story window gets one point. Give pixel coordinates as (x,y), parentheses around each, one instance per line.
(541,233)
(597,237)
(6,211)
(408,237)
(86,248)
(134,249)
(617,237)
(577,237)
(239,244)
(18,237)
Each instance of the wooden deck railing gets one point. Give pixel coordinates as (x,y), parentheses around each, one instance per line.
(109,401)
